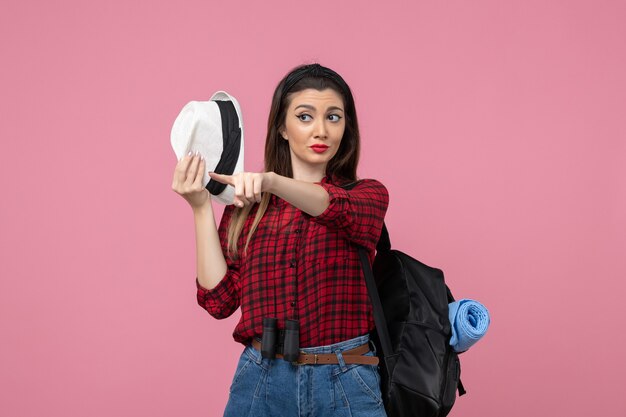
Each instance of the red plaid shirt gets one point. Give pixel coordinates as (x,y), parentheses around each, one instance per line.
(303,267)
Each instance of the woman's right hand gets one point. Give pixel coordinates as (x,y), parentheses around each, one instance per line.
(188,180)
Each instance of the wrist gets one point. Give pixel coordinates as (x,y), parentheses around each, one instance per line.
(272,179)
(204,208)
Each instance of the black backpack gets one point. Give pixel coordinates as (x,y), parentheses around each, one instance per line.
(420,372)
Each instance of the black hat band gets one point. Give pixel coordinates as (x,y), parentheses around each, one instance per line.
(231,134)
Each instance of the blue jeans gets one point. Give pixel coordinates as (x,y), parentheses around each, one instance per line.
(277,388)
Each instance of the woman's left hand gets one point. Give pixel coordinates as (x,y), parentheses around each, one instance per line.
(248,185)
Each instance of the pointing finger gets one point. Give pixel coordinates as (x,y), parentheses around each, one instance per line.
(222,178)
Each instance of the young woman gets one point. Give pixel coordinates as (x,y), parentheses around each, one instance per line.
(287,249)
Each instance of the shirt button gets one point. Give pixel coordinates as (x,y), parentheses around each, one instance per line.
(293,303)
(298,230)
(292,264)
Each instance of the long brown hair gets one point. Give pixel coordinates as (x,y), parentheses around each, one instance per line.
(277,155)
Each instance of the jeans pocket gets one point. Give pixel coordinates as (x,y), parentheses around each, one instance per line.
(358,388)
(245,390)
(244,364)
(366,376)
(248,372)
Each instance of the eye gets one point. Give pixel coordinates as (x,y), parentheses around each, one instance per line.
(300,116)
(337,117)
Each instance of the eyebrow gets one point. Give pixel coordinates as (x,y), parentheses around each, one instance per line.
(308,106)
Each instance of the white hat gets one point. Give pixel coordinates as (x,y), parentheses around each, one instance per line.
(215,129)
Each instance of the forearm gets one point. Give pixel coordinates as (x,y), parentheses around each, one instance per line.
(311,198)
(210,263)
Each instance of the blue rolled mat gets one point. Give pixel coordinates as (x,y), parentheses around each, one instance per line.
(469,320)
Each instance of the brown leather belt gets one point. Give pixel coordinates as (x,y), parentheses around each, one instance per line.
(349,356)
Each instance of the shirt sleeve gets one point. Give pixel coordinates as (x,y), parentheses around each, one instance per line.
(357,214)
(222,301)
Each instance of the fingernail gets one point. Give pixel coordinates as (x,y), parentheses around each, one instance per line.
(202,157)
(189,154)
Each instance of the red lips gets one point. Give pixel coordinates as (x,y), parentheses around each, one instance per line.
(319,148)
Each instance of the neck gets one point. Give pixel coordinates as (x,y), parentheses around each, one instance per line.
(308,174)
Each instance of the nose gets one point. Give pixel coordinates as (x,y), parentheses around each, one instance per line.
(320,129)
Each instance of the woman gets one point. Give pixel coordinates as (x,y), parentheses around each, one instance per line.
(287,249)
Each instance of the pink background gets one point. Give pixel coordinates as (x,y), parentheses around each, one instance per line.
(497,126)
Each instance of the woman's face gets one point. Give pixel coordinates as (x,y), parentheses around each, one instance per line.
(314,125)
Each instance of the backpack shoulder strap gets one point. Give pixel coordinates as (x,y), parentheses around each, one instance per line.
(379,316)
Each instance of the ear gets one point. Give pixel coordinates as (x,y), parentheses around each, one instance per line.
(283,134)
